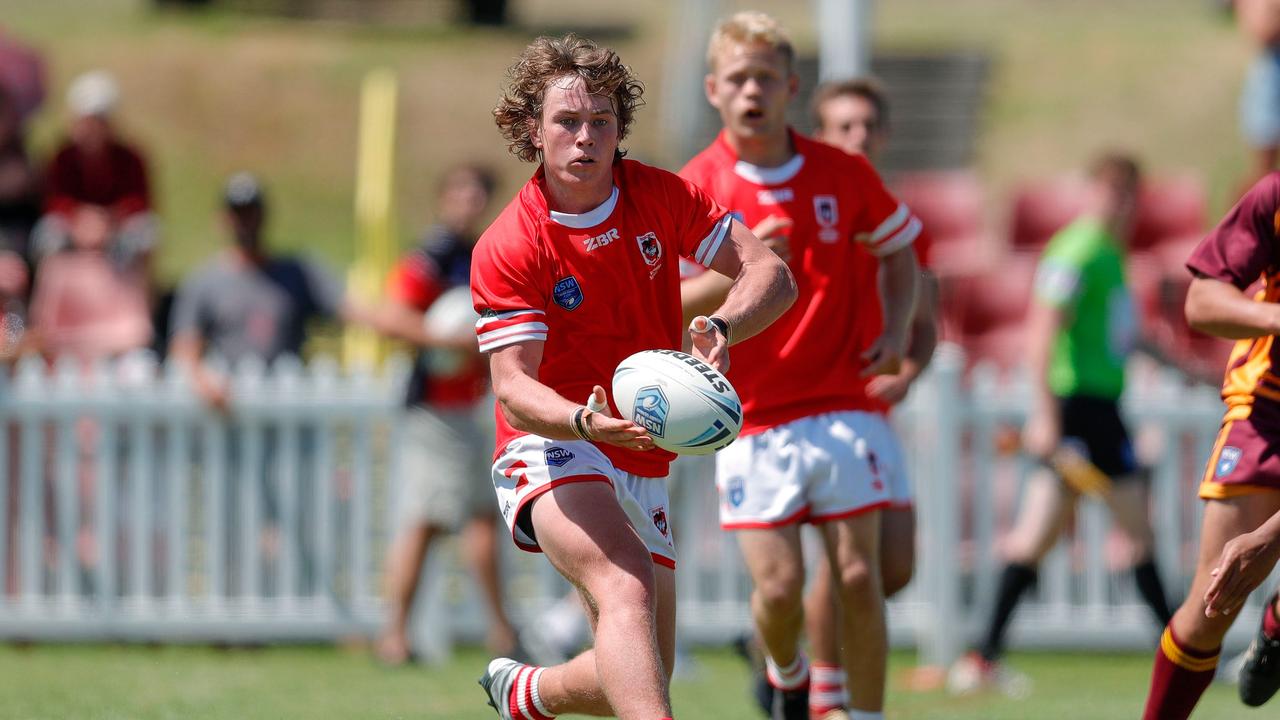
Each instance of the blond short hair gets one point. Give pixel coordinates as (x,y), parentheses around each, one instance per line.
(750,27)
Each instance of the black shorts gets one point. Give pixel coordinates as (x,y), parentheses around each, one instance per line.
(1092,426)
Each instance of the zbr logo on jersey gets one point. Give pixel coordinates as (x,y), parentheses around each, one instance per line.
(651,408)
(827,213)
(650,248)
(558,456)
(1227,461)
(568,293)
(659,515)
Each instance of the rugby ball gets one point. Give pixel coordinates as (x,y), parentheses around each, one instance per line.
(687,406)
(451,316)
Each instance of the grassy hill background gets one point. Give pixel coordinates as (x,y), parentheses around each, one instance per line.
(211,92)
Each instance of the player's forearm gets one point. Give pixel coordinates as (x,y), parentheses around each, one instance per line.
(701,295)
(898,277)
(924,324)
(535,408)
(1043,322)
(1218,308)
(762,291)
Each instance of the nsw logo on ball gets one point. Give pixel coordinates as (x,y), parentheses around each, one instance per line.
(651,408)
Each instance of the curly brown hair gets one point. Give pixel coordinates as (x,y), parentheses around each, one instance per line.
(547,59)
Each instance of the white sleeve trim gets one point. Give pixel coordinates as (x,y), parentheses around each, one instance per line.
(904,238)
(506,315)
(710,245)
(514,334)
(891,224)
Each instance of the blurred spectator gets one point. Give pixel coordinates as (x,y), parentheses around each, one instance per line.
(95,171)
(246,303)
(85,305)
(444,482)
(1260,98)
(19,208)
(22,75)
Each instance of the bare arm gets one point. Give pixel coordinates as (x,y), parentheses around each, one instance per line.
(896,283)
(1260,20)
(763,287)
(1218,308)
(403,322)
(702,294)
(535,408)
(924,324)
(1042,432)
(186,349)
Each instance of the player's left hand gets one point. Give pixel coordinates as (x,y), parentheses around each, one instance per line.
(709,345)
(1245,563)
(884,357)
(893,389)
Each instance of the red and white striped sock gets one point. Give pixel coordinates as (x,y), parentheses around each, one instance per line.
(826,689)
(525,703)
(791,677)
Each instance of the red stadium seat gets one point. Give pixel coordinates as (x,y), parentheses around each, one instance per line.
(952,206)
(1043,208)
(985,313)
(1169,208)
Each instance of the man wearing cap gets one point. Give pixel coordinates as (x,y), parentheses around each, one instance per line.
(97,177)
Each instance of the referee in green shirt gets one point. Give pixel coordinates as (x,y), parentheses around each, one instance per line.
(1081,329)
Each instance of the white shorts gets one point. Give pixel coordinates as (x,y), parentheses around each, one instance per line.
(531,465)
(815,469)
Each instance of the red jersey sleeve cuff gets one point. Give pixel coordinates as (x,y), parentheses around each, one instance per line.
(710,244)
(897,231)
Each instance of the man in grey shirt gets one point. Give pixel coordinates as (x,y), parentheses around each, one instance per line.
(246,303)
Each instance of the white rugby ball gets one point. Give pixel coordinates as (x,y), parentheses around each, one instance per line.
(687,406)
(451,316)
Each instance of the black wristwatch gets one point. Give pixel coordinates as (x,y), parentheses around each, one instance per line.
(721,324)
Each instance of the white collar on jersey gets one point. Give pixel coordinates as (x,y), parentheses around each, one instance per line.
(769,176)
(590,218)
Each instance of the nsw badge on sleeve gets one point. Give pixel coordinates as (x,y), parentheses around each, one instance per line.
(568,293)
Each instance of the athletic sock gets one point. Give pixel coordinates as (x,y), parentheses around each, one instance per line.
(1149,586)
(1013,582)
(1180,676)
(525,701)
(1271,623)
(826,688)
(791,677)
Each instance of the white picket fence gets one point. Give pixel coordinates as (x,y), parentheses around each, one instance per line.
(130,511)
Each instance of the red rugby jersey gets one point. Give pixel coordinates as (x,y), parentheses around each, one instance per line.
(807,362)
(595,287)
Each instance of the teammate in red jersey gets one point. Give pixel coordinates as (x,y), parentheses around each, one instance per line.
(809,446)
(577,273)
(1240,532)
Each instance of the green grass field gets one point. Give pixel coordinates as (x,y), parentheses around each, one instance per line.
(194,683)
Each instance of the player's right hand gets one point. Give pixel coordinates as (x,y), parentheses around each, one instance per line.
(603,427)
(708,345)
(773,232)
(214,392)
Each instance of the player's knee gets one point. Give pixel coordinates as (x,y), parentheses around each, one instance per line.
(781,593)
(859,584)
(627,585)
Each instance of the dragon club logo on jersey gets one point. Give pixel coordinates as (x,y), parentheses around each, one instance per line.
(659,515)
(1227,461)
(567,293)
(651,408)
(826,212)
(558,456)
(650,248)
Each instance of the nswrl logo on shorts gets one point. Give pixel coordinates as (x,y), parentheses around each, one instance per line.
(557,456)
(1227,461)
(736,492)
